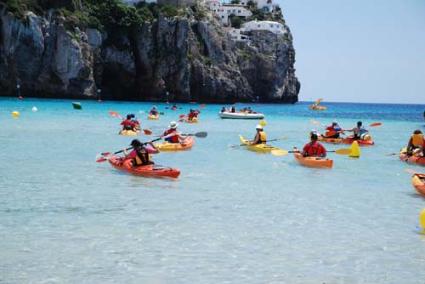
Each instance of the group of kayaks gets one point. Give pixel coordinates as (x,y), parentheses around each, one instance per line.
(312,162)
(153,170)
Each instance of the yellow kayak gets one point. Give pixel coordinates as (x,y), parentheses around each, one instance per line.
(128,133)
(194,120)
(186,145)
(153,117)
(262,148)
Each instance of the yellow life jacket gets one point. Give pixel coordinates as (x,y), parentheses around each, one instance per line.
(417,140)
(263,137)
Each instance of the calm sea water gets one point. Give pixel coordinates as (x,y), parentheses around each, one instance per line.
(232,217)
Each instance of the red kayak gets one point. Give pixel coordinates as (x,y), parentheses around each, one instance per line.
(361,141)
(347,140)
(145,171)
(411,159)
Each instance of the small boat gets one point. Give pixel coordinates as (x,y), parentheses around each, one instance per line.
(316,105)
(418,182)
(313,162)
(240,115)
(76,105)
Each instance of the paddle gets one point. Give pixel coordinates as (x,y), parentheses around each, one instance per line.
(106,155)
(282,152)
(375,124)
(201,134)
(117,115)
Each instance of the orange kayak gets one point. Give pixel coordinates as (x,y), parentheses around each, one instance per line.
(186,145)
(418,182)
(411,159)
(153,171)
(313,162)
(346,141)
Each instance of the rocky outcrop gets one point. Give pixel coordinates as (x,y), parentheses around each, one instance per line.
(179,59)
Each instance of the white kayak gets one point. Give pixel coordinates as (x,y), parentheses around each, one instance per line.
(241,115)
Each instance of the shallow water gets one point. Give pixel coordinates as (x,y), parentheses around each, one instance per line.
(232,217)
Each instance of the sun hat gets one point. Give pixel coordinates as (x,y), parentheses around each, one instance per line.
(173,124)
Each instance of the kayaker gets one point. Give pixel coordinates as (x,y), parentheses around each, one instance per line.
(359,131)
(174,107)
(192,114)
(128,123)
(314,148)
(333,130)
(260,136)
(416,144)
(136,123)
(140,153)
(153,111)
(171,135)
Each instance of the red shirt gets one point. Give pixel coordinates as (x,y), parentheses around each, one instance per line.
(127,122)
(172,139)
(314,149)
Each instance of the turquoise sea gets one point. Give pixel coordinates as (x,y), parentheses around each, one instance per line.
(233,216)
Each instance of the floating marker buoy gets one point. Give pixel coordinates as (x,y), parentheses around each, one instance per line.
(76,105)
(15,114)
(355,150)
(422,219)
(263,123)
(20,98)
(34,109)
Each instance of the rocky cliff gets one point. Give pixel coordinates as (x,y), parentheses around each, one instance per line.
(182,58)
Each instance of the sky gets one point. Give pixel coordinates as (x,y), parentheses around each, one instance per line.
(359,50)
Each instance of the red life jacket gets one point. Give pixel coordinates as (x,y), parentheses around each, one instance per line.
(127,124)
(314,149)
(172,139)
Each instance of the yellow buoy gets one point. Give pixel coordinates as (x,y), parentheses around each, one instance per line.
(15,114)
(422,219)
(355,150)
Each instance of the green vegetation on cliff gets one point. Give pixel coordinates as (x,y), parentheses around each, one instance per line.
(104,15)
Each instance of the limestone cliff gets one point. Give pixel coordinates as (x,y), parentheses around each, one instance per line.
(187,58)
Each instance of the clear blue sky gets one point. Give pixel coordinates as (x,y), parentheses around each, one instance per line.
(359,50)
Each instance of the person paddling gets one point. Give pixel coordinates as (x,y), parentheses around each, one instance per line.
(153,111)
(171,135)
(136,123)
(333,130)
(140,154)
(193,114)
(260,136)
(128,124)
(416,144)
(359,132)
(314,148)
